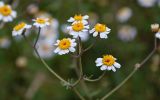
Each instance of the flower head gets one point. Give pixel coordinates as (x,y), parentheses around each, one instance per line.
(41,22)
(18,29)
(79,18)
(157,35)
(78,29)
(124,14)
(65,45)
(6,13)
(108,62)
(147,3)
(155,27)
(127,33)
(100,29)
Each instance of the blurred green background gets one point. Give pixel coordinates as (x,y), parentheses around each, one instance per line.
(23,76)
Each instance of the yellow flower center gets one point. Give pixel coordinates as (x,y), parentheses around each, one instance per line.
(108,60)
(100,27)
(40,20)
(78,26)
(78,17)
(64,44)
(19,26)
(5,10)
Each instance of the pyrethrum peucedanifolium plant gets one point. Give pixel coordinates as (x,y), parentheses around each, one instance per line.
(79,26)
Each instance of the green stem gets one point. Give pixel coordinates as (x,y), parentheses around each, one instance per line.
(78,94)
(39,30)
(79,62)
(94,80)
(52,71)
(117,87)
(45,64)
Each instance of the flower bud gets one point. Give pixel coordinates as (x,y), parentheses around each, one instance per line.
(155,27)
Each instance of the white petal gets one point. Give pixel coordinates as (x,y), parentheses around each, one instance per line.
(117,65)
(85,30)
(95,34)
(92,30)
(1,17)
(73,40)
(99,64)
(157,35)
(86,27)
(14,14)
(109,68)
(73,44)
(85,17)
(1,3)
(57,50)
(61,52)
(113,69)
(108,29)
(84,22)
(28,26)
(47,23)
(103,67)
(14,33)
(72,49)
(103,35)
(81,34)
(66,51)
(71,19)
(98,60)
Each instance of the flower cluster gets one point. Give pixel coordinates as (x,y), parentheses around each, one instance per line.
(78,28)
(38,22)
(6,12)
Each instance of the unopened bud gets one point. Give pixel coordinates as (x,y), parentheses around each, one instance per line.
(137,65)
(155,27)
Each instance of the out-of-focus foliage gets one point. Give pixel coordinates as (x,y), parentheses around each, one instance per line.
(130,41)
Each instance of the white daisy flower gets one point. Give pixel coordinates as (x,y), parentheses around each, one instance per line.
(5,42)
(124,14)
(78,29)
(127,33)
(41,22)
(6,13)
(108,62)
(65,46)
(147,3)
(79,18)
(18,29)
(100,29)
(158,34)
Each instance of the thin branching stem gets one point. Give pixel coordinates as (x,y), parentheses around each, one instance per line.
(45,64)
(78,94)
(123,82)
(89,47)
(79,62)
(137,66)
(39,30)
(96,79)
